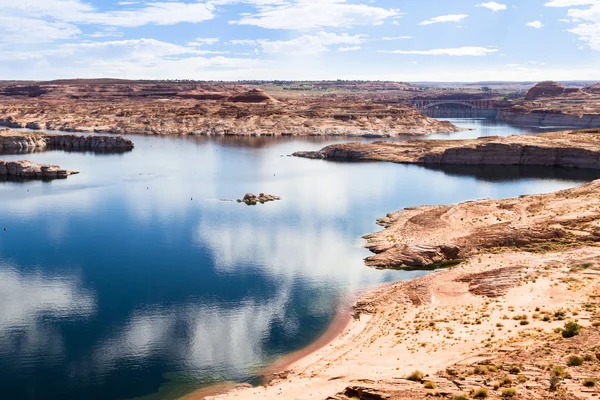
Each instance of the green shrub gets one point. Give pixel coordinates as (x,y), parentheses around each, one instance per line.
(522,379)
(510,392)
(575,361)
(524,322)
(429,385)
(416,376)
(481,393)
(558,371)
(571,329)
(460,397)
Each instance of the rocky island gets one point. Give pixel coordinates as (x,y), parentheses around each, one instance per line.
(28,170)
(24,142)
(252,199)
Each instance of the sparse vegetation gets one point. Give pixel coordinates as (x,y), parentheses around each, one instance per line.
(416,376)
(429,385)
(571,329)
(575,361)
(481,393)
(509,392)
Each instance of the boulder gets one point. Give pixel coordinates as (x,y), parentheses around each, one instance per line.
(252,199)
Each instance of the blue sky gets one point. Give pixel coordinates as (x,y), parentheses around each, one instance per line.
(405,40)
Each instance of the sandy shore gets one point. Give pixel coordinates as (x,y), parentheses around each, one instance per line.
(500,310)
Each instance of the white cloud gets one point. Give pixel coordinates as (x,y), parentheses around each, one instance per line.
(445,19)
(308,14)
(203,41)
(492,5)
(23,30)
(349,48)
(303,45)
(457,51)
(535,24)
(570,3)
(387,38)
(134,58)
(587,19)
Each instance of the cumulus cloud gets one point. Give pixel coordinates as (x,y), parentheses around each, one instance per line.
(444,19)
(308,14)
(570,3)
(535,24)
(492,5)
(203,41)
(457,51)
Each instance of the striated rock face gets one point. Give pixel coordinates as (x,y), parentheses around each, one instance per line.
(574,149)
(548,89)
(12,141)
(252,199)
(28,170)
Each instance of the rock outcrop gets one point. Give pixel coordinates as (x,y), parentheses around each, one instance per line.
(252,199)
(19,142)
(548,89)
(28,170)
(254,96)
(572,149)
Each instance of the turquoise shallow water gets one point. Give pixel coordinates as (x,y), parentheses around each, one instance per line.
(133,277)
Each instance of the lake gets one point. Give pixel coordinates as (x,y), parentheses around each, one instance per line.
(134,279)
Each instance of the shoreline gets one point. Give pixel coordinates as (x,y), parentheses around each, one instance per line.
(278,368)
(497,305)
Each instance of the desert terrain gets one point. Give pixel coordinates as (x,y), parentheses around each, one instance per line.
(209,109)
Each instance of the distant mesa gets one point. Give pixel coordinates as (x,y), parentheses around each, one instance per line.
(252,199)
(548,89)
(595,89)
(254,96)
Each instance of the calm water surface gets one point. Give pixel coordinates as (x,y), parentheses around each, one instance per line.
(133,280)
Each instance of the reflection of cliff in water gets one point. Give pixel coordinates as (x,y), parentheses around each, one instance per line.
(507,173)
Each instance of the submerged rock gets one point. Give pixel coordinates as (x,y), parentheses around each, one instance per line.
(252,199)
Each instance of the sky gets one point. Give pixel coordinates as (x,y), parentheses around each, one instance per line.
(399,40)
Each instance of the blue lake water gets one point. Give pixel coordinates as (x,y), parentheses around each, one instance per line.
(133,277)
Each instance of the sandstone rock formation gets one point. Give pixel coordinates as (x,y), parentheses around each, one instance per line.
(28,170)
(595,89)
(548,89)
(574,149)
(192,108)
(254,96)
(252,199)
(17,142)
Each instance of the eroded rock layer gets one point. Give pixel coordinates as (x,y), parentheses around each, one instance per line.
(28,170)
(17,142)
(577,149)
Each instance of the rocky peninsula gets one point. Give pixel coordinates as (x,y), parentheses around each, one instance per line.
(575,149)
(25,142)
(28,170)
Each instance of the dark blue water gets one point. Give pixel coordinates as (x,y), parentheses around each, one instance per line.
(133,278)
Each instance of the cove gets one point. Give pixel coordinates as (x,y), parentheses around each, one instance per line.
(134,280)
